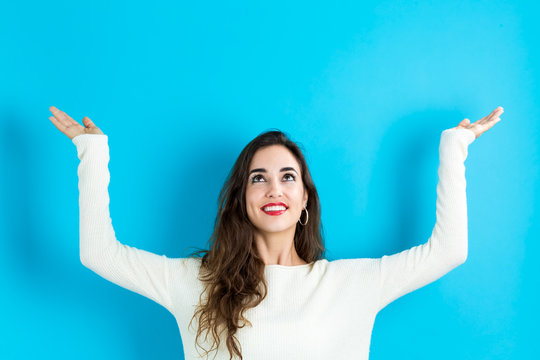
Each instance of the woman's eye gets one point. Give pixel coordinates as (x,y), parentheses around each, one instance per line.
(254,179)
(291,175)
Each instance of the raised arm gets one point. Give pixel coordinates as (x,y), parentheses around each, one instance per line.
(401,273)
(137,270)
(446,249)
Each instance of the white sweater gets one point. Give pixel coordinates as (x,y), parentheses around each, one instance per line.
(322,310)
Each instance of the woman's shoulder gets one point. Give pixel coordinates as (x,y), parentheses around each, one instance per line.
(359,265)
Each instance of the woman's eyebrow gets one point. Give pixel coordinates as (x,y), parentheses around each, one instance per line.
(264,170)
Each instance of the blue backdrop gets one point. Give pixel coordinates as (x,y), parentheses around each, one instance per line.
(181,88)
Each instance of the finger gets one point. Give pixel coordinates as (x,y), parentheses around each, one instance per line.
(464,122)
(62,117)
(56,123)
(490,125)
(493,115)
(88,123)
(59,116)
(498,111)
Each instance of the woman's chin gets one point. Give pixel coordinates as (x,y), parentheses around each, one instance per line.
(274,229)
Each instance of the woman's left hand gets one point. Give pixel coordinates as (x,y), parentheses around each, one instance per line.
(482,125)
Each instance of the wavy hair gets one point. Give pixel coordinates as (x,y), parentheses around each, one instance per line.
(231,269)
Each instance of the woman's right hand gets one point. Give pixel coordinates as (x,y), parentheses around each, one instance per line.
(70,127)
(482,125)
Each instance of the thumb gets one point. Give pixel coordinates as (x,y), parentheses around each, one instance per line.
(87,122)
(464,122)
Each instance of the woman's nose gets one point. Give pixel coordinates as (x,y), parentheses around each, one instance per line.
(274,188)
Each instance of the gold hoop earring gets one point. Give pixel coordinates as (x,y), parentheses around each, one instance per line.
(307,217)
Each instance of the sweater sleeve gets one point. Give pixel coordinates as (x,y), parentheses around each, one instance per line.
(137,270)
(406,271)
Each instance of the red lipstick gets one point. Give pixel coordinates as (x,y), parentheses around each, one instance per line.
(274,212)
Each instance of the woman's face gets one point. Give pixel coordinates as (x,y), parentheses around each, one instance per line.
(274,177)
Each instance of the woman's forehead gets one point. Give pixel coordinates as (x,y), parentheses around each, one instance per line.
(274,157)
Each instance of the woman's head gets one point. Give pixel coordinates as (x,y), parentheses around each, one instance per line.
(275,183)
(273,169)
(232,267)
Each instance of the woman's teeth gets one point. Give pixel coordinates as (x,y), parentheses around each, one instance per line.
(274,208)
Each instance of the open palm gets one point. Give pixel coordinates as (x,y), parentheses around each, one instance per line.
(484,124)
(70,127)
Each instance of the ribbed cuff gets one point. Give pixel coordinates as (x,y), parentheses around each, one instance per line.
(96,144)
(467,134)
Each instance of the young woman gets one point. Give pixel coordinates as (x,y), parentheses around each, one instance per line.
(263,289)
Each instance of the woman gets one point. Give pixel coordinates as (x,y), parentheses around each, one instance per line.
(265,265)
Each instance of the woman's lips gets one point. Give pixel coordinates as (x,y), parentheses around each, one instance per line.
(274,213)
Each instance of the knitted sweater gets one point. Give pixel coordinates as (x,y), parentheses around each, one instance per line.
(321,310)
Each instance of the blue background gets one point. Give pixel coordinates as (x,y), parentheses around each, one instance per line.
(180,88)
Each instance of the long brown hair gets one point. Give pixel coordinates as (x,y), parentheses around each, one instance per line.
(231,269)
